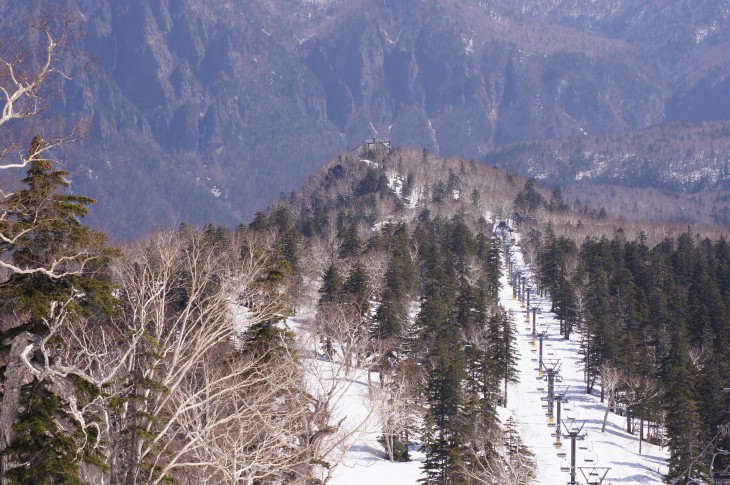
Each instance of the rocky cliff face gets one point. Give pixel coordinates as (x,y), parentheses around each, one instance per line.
(201,111)
(206,110)
(459,79)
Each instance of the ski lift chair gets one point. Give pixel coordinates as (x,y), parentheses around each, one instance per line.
(590,457)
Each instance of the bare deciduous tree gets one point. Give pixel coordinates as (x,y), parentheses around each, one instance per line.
(24,80)
(641,391)
(697,355)
(196,404)
(396,406)
(331,431)
(489,464)
(239,419)
(611,379)
(344,331)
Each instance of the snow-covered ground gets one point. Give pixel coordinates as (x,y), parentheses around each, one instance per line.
(613,448)
(365,463)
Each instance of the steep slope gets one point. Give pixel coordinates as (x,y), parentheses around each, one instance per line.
(456,78)
(225,115)
(690,39)
(196,111)
(211,109)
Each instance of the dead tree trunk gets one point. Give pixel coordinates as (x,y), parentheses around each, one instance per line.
(16,372)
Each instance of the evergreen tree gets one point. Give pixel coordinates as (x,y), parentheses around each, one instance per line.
(289,241)
(597,343)
(407,188)
(450,309)
(508,355)
(527,202)
(331,289)
(75,287)
(48,450)
(444,393)
(461,246)
(493,270)
(547,262)
(680,404)
(439,193)
(372,182)
(475,196)
(400,280)
(356,288)
(482,374)
(389,316)
(564,303)
(351,244)
(266,337)
(557,203)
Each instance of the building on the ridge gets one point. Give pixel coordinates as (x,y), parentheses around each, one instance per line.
(371,148)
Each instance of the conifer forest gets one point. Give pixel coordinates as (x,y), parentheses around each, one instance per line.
(169,358)
(208,354)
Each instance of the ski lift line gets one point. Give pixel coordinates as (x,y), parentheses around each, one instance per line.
(595,475)
(556,351)
(571,427)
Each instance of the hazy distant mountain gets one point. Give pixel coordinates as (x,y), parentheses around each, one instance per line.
(205,110)
(679,157)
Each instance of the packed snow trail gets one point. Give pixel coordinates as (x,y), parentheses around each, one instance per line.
(614,448)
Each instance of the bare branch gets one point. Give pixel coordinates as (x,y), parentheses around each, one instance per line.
(21,84)
(611,379)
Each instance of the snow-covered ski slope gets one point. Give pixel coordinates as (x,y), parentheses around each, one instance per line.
(614,449)
(365,462)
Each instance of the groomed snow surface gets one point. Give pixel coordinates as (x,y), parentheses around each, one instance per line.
(614,448)
(363,460)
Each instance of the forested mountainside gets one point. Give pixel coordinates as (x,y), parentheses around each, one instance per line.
(206,110)
(681,157)
(191,354)
(651,313)
(674,172)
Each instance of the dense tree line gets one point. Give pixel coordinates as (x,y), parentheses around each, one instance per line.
(468,342)
(658,316)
